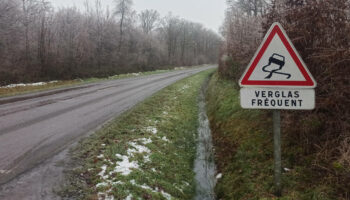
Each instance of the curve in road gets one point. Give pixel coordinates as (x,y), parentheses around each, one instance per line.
(36,127)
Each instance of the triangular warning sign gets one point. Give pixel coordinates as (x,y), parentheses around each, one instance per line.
(277,64)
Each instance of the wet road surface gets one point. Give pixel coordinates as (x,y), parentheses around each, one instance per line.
(34,128)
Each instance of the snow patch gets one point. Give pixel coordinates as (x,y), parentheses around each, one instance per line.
(100,156)
(137,149)
(165,139)
(103,184)
(105,196)
(145,141)
(125,166)
(156,190)
(136,74)
(5,171)
(151,129)
(24,85)
(102,173)
(129,197)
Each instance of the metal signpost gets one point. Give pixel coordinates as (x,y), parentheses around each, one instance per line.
(277,79)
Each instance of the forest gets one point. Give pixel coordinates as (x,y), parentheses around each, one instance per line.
(320,31)
(41,43)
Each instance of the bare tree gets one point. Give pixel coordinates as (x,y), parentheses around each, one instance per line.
(250,7)
(122,9)
(148,20)
(38,43)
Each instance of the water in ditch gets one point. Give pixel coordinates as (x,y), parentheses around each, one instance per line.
(204,164)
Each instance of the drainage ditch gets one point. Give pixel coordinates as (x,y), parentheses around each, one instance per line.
(204,166)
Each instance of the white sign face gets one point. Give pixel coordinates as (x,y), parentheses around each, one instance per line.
(277,64)
(269,98)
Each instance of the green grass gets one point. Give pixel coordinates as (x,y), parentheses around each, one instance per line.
(243,143)
(6,92)
(166,163)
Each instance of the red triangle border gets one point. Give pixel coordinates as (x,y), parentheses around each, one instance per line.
(276,30)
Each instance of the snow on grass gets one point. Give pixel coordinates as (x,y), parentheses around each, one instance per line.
(28,84)
(125,166)
(105,196)
(152,130)
(129,197)
(138,148)
(5,171)
(145,141)
(103,172)
(24,85)
(136,74)
(156,190)
(103,184)
(179,68)
(165,139)
(100,156)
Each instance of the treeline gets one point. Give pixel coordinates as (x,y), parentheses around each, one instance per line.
(39,43)
(320,30)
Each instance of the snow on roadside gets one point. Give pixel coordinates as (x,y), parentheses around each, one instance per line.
(179,68)
(23,85)
(127,164)
(151,129)
(27,84)
(156,190)
(123,167)
(165,139)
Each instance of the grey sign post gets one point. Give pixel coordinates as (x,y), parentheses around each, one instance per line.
(277,79)
(277,150)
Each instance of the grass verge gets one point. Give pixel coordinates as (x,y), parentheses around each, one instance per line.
(17,90)
(243,142)
(147,153)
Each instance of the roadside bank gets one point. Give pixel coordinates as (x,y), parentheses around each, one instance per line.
(146,153)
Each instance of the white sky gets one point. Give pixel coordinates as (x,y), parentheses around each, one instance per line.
(210,13)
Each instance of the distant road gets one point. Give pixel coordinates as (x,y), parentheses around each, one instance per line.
(35,127)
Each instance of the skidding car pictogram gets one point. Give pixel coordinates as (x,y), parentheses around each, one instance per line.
(276,63)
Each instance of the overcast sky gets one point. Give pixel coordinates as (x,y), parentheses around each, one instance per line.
(210,13)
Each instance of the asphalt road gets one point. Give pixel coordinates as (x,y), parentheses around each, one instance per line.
(35,127)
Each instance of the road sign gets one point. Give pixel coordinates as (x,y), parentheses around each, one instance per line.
(277,64)
(278,79)
(279,99)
